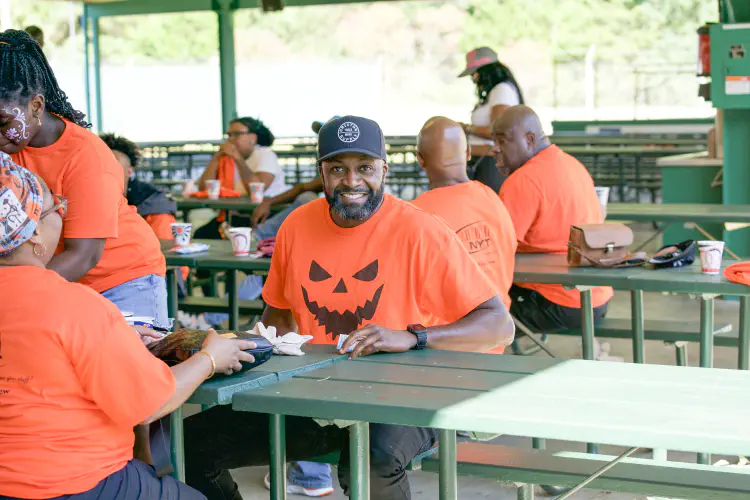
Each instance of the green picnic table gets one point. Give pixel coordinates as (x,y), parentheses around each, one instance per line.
(220,390)
(679,212)
(648,406)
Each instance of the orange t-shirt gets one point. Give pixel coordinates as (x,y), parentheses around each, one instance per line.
(401,266)
(482,223)
(161,225)
(74,380)
(547,195)
(80,167)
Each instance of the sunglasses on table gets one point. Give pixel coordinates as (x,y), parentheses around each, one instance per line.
(60,205)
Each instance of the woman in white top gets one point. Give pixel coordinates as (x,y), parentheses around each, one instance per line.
(497,90)
(249,145)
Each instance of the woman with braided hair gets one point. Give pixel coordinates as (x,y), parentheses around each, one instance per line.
(105,243)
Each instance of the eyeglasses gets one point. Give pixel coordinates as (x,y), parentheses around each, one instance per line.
(60,206)
(235,135)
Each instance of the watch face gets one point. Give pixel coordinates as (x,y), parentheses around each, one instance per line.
(417,327)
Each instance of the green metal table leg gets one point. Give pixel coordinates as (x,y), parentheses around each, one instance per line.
(743,360)
(359,453)
(707,331)
(278,457)
(681,354)
(587,332)
(587,324)
(177,444)
(538,443)
(172,295)
(448,466)
(707,348)
(234,300)
(639,337)
(525,492)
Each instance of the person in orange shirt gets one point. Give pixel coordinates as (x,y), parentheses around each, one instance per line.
(547,191)
(152,203)
(364,264)
(470,208)
(106,244)
(74,377)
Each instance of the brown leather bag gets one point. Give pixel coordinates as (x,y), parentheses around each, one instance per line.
(602,245)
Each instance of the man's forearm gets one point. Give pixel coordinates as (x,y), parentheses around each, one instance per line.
(483,329)
(286,197)
(280,318)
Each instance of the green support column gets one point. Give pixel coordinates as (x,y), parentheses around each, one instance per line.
(278,456)
(97,74)
(448,480)
(172,294)
(636,314)
(87,68)
(743,362)
(225,11)
(359,456)
(177,444)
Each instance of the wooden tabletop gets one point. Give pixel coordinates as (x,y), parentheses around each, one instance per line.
(652,406)
(553,269)
(678,212)
(221,389)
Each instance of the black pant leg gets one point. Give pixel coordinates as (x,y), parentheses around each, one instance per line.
(533,310)
(392,448)
(485,171)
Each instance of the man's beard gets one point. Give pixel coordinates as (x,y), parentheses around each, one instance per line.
(355,211)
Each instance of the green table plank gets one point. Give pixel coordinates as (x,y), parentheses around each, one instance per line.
(677,408)
(240,204)
(221,390)
(679,212)
(218,257)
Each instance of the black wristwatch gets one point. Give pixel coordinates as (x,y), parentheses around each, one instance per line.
(420,332)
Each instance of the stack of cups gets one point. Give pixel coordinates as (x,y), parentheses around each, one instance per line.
(256,192)
(213,187)
(240,240)
(603,194)
(182,231)
(711,256)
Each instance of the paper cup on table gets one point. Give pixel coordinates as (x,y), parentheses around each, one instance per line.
(603,194)
(182,231)
(214,188)
(240,240)
(256,192)
(711,256)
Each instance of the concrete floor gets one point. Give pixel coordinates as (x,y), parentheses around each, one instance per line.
(657,306)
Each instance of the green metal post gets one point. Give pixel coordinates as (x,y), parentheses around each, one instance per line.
(587,334)
(172,295)
(743,361)
(538,443)
(639,337)
(225,12)
(359,455)
(97,75)
(707,331)
(234,300)
(278,457)
(177,444)
(525,492)
(448,466)
(86,47)
(681,354)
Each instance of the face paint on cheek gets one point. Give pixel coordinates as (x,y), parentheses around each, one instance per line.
(19,133)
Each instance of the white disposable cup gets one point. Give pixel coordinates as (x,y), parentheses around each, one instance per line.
(711,256)
(182,232)
(213,187)
(603,194)
(256,191)
(240,240)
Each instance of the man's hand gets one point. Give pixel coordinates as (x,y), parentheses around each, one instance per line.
(374,338)
(261,213)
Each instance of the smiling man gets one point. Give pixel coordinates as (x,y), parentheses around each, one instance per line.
(364,264)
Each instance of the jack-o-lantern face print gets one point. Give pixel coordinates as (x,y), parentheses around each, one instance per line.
(335,322)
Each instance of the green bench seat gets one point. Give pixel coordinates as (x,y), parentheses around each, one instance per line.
(218,304)
(667,331)
(568,469)
(416,464)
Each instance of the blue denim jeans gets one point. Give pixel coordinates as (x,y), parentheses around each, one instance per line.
(311,475)
(272,225)
(144,296)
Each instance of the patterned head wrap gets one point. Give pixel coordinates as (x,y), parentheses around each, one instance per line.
(21,199)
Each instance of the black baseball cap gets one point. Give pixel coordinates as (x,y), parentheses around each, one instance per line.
(351,134)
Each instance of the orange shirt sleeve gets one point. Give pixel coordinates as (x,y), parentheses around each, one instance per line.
(522,199)
(273,289)
(116,370)
(454,285)
(161,224)
(94,196)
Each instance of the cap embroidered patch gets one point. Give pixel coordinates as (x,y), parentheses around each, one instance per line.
(348,132)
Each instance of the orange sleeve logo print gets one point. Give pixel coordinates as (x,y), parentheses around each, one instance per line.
(323,285)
